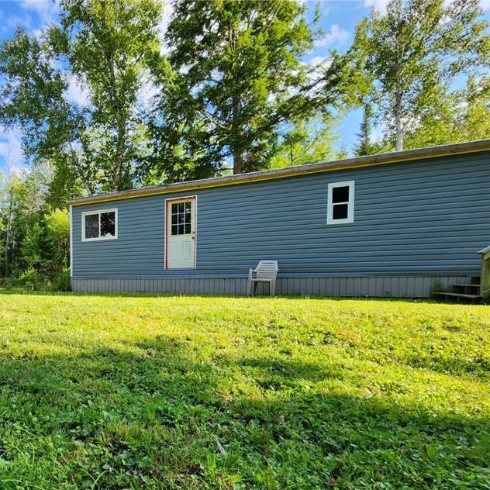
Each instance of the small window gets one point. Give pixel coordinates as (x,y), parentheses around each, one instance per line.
(340,208)
(181,218)
(99,225)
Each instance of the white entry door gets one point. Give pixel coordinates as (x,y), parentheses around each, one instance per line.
(180,246)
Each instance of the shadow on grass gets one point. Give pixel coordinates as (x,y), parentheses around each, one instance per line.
(156,415)
(125,294)
(478,366)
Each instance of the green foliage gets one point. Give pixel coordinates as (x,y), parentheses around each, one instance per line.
(33,98)
(35,244)
(461,116)
(235,90)
(32,279)
(307,142)
(474,119)
(34,237)
(58,228)
(7,283)
(61,281)
(238,82)
(414,52)
(437,287)
(222,393)
(366,144)
(109,48)
(24,199)
(32,94)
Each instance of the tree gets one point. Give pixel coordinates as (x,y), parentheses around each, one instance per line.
(415,51)
(23,198)
(31,96)
(435,127)
(307,142)
(238,78)
(58,226)
(109,48)
(366,144)
(7,216)
(8,198)
(462,115)
(475,120)
(34,236)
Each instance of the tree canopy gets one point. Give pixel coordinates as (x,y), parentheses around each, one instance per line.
(107,48)
(413,54)
(238,80)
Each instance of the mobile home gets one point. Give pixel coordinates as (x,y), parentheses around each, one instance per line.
(391,225)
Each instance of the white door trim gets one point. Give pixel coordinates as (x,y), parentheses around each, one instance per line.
(192,234)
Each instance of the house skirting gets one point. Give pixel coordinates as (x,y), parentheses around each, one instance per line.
(382,287)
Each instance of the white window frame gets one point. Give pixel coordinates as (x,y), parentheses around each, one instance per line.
(350,203)
(99,212)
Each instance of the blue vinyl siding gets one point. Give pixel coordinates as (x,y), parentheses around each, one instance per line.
(425,217)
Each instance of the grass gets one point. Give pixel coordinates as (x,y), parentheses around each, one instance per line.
(111,392)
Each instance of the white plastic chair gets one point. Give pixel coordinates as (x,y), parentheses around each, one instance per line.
(266,271)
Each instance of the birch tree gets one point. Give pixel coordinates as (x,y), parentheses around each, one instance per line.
(106,48)
(414,52)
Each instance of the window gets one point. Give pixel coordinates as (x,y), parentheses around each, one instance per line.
(181,218)
(340,208)
(99,225)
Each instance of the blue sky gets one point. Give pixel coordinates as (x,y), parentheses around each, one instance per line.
(338,21)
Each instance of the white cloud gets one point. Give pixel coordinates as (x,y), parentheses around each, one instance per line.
(336,35)
(46,9)
(320,61)
(15,21)
(485,4)
(147,90)
(379,5)
(167,13)
(11,156)
(77,92)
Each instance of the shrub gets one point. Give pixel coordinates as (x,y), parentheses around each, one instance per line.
(61,281)
(32,279)
(7,283)
(438,287)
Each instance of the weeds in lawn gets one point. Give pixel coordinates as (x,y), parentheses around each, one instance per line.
(136,392)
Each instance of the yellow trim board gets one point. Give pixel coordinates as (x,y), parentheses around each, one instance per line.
(358,162)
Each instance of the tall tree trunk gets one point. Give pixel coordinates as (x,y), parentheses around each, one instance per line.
(238,163)
(399,133)
(7,233)
(237,152)
(398,113)
(118,164)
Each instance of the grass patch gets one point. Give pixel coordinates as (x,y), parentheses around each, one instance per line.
(133,392)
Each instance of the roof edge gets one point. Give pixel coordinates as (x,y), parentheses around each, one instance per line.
(356,162)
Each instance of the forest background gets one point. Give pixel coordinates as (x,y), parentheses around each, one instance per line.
(106,95)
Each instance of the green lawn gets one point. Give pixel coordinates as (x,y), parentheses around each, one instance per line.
(149,392)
